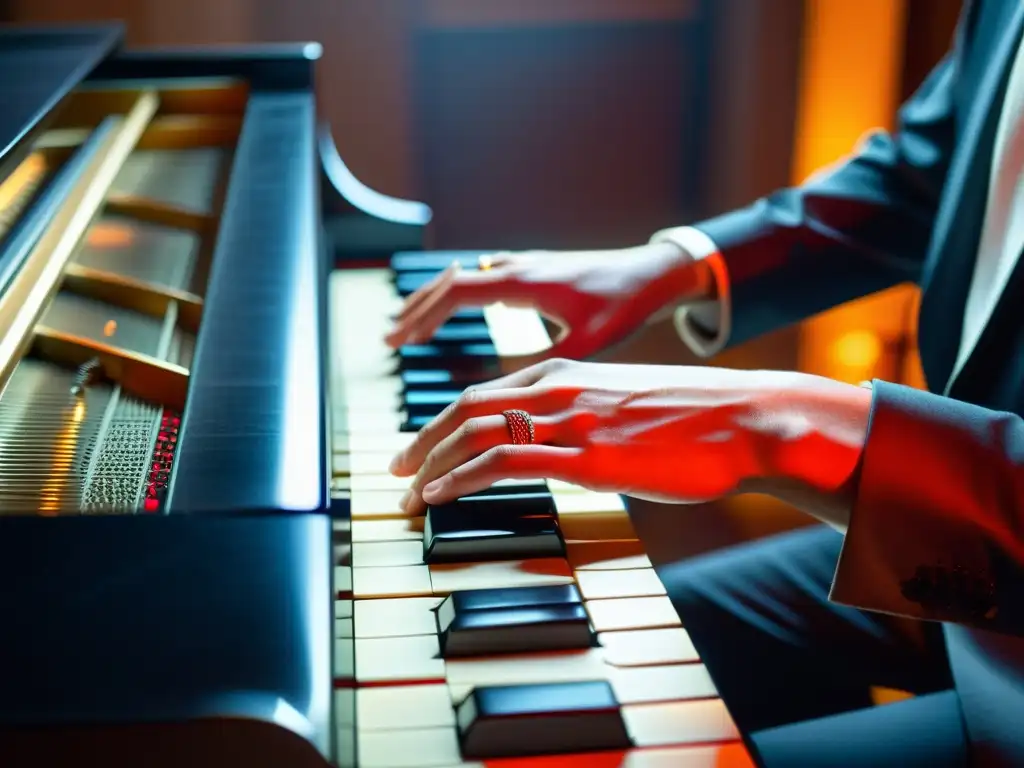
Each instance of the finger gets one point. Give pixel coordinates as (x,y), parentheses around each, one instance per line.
(428,289)
(522,377)
(471,404)
(405,325)
(473,289)
(505,462)
(473,438)
(492,260)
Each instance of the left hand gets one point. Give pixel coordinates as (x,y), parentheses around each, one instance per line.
(664,433)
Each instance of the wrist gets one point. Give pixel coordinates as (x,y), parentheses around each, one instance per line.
(690,253)
(810,433)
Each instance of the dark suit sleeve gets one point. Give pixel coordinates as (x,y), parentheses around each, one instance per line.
(858,227)
(937,528)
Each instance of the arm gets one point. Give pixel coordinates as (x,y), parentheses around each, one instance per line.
(858,227)
(939,536)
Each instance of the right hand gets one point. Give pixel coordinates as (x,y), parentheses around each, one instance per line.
(598,297)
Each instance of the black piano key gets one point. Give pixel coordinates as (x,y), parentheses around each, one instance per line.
(551,718)
(524,629)
(430,402)
(415,423)
(512,488)
(462,333)
(508,597)
(492,528)
(513,620)
(407,283)
(456,357)
(433,261)
(423,379)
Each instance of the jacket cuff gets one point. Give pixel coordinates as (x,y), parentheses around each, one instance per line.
(901,527)
(703,326)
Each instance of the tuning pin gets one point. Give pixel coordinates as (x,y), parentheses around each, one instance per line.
(88,374)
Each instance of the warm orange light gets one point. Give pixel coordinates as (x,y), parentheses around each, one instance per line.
(849,85)
(65,455)
(110,328)
(23,176)
(857,349)
(110,234)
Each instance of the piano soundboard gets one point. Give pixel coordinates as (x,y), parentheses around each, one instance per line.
(457,644)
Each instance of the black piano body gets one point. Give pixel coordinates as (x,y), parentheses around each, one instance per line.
(198,631)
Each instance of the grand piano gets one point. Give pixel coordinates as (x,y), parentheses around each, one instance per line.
(200,550)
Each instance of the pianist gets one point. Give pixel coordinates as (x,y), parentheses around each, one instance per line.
(917,580)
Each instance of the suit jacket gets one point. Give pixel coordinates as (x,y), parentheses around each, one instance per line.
(937,532)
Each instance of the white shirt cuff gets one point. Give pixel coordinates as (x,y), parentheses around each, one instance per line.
(703,326)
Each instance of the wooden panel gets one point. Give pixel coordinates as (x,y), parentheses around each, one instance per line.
(554,137)
(449,14)
(929,33)
(852,67)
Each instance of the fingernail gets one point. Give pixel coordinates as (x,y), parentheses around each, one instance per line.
(396,464)
(436,488)
(404,501)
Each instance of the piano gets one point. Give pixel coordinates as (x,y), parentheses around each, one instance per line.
(200,550)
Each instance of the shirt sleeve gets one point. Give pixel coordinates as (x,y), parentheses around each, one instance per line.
(703,326)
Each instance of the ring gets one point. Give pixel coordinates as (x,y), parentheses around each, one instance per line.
(484,262)
(520,427)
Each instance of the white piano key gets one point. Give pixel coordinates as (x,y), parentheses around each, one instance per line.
(516,331)
(679,722)
(588,501)
(446,578)
(524,669)
(377,505)
(607,555)
(366,462)
(405,581)
(595,585)
(389,554)
(597,526)
(364,442)
(411,748)
(360,483)
(395,617)
(648,647)
(674,682)
(632,613)
(400,707)
(344,629)
(409,659)
(401,529)
(374,422)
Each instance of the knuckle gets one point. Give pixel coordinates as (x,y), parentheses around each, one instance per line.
(500,455)
(468,399)
(469,432)
(582,421)
(553,394)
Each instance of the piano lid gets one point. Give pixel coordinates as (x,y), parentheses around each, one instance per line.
(39,66)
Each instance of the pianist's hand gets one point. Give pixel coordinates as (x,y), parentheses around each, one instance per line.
(665,433)
(598,297)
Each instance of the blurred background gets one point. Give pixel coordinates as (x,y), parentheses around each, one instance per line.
(593,123)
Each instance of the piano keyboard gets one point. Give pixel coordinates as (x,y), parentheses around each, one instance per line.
(459,646)
(89,416)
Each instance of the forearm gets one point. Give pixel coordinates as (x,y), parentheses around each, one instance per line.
(811,440)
